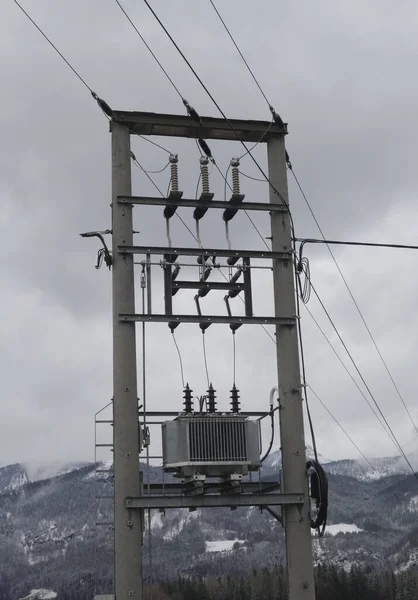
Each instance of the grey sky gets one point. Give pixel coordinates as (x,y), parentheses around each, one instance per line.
(341,73)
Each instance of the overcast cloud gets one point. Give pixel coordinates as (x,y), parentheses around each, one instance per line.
(343,74)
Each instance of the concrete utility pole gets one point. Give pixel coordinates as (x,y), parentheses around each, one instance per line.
(128,523)
(296,518)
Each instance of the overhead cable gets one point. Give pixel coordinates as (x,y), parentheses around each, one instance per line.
(304,241)
(345,432)
(395,439)
(276,116)
(103,105)
(149,49)
(350,374)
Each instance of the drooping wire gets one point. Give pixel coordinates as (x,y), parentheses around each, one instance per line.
(257,143)
(138,164)
(149,48)
(302,357)
(158,170)
(251,177)
(353,299)
(234,358)
(146,139)
(197,184)
(205,357)
(180,358)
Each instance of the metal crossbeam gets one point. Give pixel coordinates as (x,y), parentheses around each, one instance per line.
(207,285)
(156,318)
(199,251)
(174,413)
(213,500)
(246,487)
(144,123)
(192,203)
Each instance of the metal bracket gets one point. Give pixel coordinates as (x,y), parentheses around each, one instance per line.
(203,203)
(213,500)
(159,318)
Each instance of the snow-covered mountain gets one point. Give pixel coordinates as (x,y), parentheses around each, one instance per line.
(357,468)
(49,539)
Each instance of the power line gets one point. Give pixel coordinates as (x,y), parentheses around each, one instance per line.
(101,103)
(149,48)
(345,432)
(240,53)
(365,383)
(349,243)
(348,372)
(354,300)
(53,46)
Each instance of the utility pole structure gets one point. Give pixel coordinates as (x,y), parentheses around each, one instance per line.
(296,519)
(129,499)
(128,523)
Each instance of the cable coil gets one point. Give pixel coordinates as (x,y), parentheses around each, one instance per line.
(319,493)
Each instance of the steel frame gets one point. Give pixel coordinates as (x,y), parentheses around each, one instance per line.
(213,500)
(193,203)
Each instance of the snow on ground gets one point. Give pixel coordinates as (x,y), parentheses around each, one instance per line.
(178,524)
(222,545)
(40,595)
(413,504)
(342,528)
